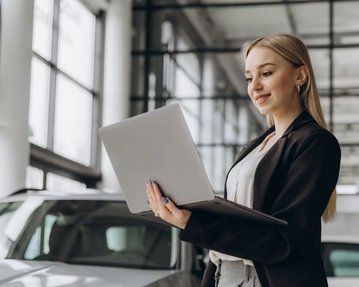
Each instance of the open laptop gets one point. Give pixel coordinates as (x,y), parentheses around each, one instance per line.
(158,146)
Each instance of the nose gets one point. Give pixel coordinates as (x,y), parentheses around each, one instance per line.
(256,84)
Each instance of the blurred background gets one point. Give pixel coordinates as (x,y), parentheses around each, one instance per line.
(68,67)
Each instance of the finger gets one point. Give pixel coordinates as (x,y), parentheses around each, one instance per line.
(151,197)
(179,217)
(150,205)
(158,196)
(152,201)
(164,201)
(156,193)
(171,206)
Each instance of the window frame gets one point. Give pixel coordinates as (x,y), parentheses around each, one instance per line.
(328,248)
(45,158)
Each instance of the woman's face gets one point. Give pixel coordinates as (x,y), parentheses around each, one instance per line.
(272,82)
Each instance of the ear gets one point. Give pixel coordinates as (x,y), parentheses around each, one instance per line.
(302,75)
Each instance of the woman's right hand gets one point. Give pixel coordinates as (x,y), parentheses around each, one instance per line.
(164,208)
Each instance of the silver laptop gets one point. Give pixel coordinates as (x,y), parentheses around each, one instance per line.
(158,146)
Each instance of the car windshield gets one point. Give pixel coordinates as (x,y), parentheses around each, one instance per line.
(86,232)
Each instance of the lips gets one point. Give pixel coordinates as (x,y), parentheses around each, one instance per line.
(261,98)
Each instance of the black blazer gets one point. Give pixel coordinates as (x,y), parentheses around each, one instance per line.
(294,182)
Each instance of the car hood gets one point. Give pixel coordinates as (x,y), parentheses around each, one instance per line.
(52,274)
(343,282)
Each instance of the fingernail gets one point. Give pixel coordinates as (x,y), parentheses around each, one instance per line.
(164,199)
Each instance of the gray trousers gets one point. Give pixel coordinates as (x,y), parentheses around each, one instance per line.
(236,274)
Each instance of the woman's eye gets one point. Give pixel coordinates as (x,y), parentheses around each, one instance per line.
(266,74)
(248,80)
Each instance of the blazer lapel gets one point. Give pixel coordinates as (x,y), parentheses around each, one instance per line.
(264,172)
(252,145)
(269,162)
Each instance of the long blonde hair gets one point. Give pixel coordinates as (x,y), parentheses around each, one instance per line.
(294,51)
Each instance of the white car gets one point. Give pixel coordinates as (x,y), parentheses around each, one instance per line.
(90,238)
(341,260)
(50,238)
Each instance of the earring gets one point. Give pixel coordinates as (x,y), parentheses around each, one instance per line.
(298,88)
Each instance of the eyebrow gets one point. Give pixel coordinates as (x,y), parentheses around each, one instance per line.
(261,66)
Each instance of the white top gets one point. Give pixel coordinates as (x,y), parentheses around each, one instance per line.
(240,188)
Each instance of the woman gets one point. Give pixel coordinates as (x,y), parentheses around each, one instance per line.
(289,172)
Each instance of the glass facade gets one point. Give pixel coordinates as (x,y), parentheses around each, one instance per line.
(64,86)
(189,52)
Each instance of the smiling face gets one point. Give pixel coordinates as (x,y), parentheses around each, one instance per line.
(272,82)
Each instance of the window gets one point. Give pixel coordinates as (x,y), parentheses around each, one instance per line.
(345,263)
(87,232)
(64,86)
(39,243)
(58,182)
(341,259)
(7,210)
(194,54)
(169,68)
(35,177)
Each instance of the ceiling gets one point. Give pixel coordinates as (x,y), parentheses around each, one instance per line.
(229,26)
(226,24)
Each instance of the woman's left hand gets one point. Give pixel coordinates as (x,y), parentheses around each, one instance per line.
(164,208)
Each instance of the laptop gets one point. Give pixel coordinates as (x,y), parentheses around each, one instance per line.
(158,146)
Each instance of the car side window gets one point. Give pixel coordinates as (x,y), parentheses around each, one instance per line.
(6,212)
(39,242)
(341,259)
(345,262)
(120,238)
(97,233)
(142,244)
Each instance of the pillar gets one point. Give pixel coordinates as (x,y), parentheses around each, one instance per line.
(15,71)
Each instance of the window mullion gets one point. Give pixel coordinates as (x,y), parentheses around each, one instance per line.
(96,93)
(53,74)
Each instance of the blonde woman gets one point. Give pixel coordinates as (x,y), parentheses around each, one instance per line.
(290,172)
